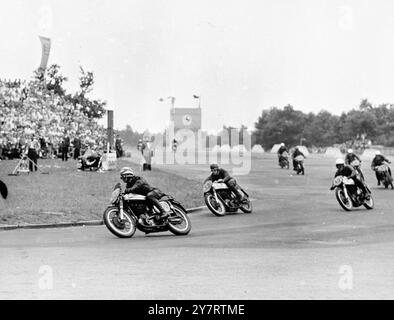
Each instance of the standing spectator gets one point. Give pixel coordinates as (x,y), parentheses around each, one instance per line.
(32,148)
(65,147)
(43,147)
(118,147)
(77,147)
(147,154)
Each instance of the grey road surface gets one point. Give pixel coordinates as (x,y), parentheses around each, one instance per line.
(297,244)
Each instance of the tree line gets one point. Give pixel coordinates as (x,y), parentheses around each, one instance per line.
(324,129)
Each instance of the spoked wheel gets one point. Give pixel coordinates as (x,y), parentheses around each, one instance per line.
(181,223)
(345,203)
(217,208)
(121,229)
(369,204)
(247,206)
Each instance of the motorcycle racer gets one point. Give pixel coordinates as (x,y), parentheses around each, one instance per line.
(138,185)
(221,174)
(378,160)
(348,171)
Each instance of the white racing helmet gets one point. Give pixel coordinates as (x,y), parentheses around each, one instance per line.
(339,162)
(349,150)
(126,172)
(377,153)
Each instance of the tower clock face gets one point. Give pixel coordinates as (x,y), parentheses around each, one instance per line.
(187,120)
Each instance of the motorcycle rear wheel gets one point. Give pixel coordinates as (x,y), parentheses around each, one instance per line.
(118,228)
(185,227)
(247,207)
(369,204)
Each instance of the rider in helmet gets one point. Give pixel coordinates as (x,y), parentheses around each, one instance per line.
(378,160)
(282,149)
(138,185)
(348,171)
(221,174)
(297,152)
(350,157)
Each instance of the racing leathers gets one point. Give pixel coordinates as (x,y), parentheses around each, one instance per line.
(349,172)
(139,185)
(228,180)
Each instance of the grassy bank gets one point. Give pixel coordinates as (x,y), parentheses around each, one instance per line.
(66,194)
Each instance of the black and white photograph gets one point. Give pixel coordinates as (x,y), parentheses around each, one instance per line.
(196,151)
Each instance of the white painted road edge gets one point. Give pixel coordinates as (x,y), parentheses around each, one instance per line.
(71,224)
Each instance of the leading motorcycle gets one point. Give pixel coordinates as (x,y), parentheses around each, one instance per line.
(349,195)
(220,199)
(128,212)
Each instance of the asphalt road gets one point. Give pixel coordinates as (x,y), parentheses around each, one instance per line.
(297,244)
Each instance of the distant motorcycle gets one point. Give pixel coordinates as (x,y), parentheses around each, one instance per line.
(220,199)
(284,160)
(349,195)
(384,175)
(356,164)
(299,164)
(128,212)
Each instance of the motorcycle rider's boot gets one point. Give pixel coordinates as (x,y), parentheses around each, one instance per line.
(378,182)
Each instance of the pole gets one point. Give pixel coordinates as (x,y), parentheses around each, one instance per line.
(110,127)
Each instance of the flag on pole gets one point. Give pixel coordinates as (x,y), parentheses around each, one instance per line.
(46,48)
(196,97)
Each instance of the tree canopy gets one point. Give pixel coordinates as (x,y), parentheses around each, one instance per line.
(323,129)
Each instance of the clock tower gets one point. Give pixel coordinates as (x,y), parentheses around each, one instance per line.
(186,118)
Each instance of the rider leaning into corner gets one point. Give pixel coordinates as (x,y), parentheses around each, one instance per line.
(377,161)
(349,172)
(221,174)
(138,185)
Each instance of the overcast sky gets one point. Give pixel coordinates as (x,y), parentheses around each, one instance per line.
(240,56)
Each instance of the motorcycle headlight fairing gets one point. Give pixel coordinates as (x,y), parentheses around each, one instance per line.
(207,186)
(115,195)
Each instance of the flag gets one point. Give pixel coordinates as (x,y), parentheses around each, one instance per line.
(196,97)
(46,47)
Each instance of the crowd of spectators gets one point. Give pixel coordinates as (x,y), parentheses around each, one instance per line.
(29,109)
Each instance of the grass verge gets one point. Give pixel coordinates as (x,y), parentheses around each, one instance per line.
(66,194)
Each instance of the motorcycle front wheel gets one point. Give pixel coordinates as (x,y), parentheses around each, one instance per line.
(346,204)
(182,227)
(121,229)
(217,208)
